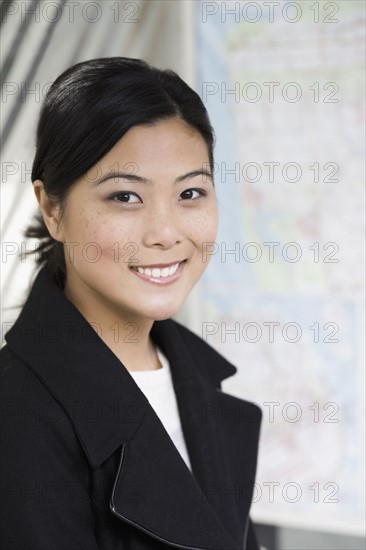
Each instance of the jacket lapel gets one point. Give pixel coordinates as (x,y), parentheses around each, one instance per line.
(154,490)
(197,372)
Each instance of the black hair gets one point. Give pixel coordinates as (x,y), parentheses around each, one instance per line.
(86,111)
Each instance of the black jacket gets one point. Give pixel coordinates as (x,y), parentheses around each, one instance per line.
(86,464)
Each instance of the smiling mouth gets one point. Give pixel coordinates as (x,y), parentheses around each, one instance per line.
(158,271)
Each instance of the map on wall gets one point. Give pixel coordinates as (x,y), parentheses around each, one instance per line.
(282,299)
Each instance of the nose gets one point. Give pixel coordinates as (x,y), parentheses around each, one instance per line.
(162,227)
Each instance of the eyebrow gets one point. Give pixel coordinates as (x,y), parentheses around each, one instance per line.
(134,178)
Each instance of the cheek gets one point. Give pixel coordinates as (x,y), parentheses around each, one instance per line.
(97,236)
(206,224)
(118,240)
(85,227)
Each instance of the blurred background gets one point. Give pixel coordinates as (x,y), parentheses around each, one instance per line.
(283,296)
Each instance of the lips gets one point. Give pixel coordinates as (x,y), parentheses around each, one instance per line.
(161,265)
(159,273)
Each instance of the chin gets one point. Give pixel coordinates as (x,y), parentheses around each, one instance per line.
(162,313)
(162,317)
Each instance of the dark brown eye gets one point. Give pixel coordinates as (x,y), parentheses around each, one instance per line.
(125,196)
(188,194)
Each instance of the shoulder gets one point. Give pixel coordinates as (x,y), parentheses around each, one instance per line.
(44,474)
(31,416)
(18,381)
(14,374)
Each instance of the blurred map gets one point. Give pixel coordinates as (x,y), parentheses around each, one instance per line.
(283,296)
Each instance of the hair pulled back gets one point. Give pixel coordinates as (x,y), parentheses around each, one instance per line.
(88,108)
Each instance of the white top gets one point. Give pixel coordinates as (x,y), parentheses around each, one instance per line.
(157,385)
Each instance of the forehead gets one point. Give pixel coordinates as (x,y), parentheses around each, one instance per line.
(163,141)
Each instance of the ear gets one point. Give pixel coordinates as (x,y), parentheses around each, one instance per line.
(51,212)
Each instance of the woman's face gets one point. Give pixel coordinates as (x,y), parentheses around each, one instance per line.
(160,213)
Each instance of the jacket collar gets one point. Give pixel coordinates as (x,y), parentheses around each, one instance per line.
(78,368)
(108,411)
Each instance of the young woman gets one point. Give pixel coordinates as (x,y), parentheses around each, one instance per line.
(116,434)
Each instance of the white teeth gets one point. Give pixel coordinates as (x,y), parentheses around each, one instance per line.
(157,272)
